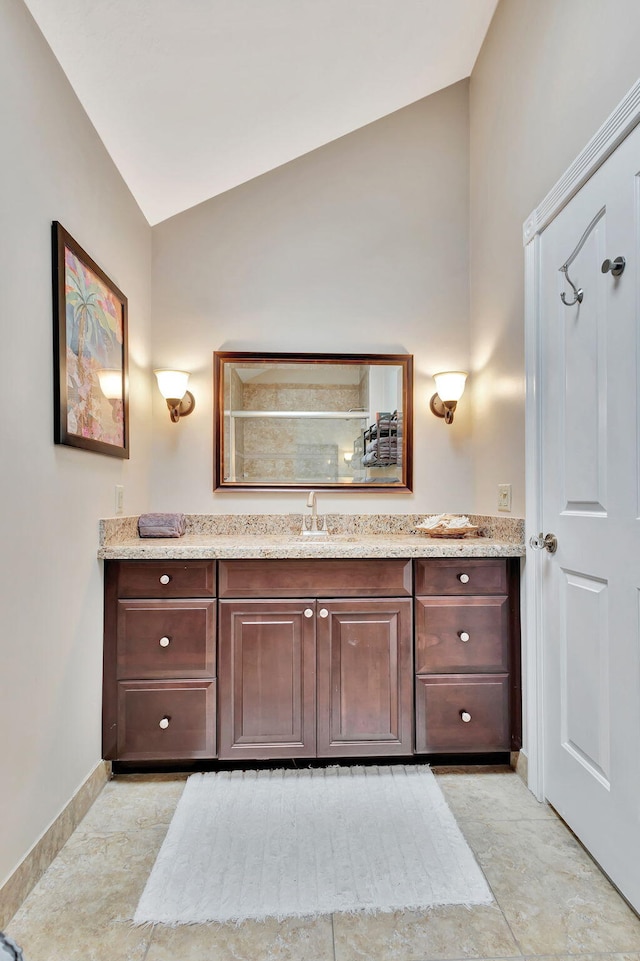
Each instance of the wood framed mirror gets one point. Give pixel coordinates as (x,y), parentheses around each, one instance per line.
(313,421)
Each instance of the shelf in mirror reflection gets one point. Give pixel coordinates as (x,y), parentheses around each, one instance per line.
(288,421)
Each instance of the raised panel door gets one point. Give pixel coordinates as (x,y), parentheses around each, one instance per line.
(590,499)
(267,665)
(364,677)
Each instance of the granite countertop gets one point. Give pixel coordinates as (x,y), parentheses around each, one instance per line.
(246,536)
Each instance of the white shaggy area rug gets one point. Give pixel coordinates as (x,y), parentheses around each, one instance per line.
(259,844)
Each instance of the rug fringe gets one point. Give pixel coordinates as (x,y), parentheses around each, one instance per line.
(280,918)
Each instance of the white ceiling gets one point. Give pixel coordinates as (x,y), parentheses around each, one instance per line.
(193,97)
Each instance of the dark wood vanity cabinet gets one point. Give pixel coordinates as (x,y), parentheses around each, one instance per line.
(467,655)
(275,658)
(159,700)
(316,676)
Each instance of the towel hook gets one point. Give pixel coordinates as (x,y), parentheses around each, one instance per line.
(578,292)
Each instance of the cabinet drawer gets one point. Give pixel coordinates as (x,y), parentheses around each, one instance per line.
(461,634)
(166,579)
(189,707)
(446,575)
(313,578)
(441,702)
(166,639)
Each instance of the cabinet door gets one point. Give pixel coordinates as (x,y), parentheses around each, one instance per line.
(365,696)
(267,655)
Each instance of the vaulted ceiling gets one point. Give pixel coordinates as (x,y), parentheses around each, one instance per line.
(193,97)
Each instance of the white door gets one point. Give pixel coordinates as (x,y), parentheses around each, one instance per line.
(590,492)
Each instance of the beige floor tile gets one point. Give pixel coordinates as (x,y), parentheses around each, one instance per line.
(86,897)
(79,909)
(445,932)
(554,897)
(586,957)
(132,803)
(51,940)
(289,940)
(496,795)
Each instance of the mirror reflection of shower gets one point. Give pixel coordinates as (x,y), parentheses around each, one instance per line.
(313,422)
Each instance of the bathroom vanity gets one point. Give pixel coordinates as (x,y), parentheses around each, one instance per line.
(264,648)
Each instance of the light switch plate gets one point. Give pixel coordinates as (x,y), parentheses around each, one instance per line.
(119,500)
(504,497)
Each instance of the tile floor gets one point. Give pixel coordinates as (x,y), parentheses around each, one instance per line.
(551,899)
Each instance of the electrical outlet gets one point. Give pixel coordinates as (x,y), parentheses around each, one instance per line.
(504,497)
(119,500)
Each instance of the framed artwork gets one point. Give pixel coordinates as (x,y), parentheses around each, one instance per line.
(90,374)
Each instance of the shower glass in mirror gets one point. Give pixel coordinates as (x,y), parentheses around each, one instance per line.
(321,421)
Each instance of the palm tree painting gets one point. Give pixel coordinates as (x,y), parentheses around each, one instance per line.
(91,338)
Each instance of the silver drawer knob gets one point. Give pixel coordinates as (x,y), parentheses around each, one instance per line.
(463,636)
(308,612)
(463,578)
(164,579)
(164,723)
(165,641)
(466,717)
(324,612)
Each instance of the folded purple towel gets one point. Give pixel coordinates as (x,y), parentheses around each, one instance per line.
(161,525)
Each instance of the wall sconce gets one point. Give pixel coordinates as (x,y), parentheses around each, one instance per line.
(173,387)
(348,457)
(450,388)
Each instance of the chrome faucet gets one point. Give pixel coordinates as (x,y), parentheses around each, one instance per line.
(316,523)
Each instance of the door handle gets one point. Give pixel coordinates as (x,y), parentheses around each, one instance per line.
(615,266)
(544,542)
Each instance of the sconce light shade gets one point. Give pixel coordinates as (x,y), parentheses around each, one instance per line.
(173,387)
(450,388)
(450,384)
(110,381)
(172,383)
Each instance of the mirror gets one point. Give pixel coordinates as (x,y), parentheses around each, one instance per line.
(314,421)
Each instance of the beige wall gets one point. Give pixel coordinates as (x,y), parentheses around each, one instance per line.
(358,246)
(54,167)
(549,73)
